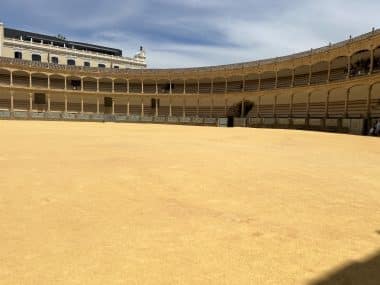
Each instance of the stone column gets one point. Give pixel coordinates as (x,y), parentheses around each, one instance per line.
(81,105)
(97,85)
(274,107)
(156,87)
(327,105)
(128,107)
(12,101)
(97,106)
(142,86)
(48,102)
(113,85)
(293,77)
(310,75)
(276,80)
(198,86)
(329,72)
(156,108)
(65,103)
(65,83)
(184,87)
(291,106)
(127,86)
(212,86)
(184,107)
(197,105)
(259,85)
(30,102)
(49,82)
(81,84)
(30,80)
(170,87)
(142,107)
(225,85)
(349,67)
(243,85)
(242,108)
(346,99)
(170,106)
(369,98)
(258,108)
(11,78)
(113,106)
(308,105)
(212,106)
(225,105)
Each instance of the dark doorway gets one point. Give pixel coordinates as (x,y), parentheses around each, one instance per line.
(107,105)
(36,57)
(230,121)
(18,55)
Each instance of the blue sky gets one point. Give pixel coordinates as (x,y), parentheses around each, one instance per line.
(187,33)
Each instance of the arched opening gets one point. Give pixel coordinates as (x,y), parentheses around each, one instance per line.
(20,78)
(251,82)
(235,84)
(319,72)
(205,86)
(177,86)
(317,107)
(339,68)
(282,106)
(39,102)
(39,80)
(105,85)
(120,85)
(299,107)
(360,63)
(357,101)
(73,83)
(90,84)
(57,82)
(376,60)
(375,101)
(5,77)
(219,85)
(107,101)
(36,57)
(149,86)
(191,86)
(266,106)
(268,80)
(135,86)
(301,75)
(284,78)
(336,107)
(164,86)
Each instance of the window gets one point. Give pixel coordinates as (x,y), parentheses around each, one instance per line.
(70,62)
(107,102)
(76,84)
(101,65)
(116,66)
(54,59)
(86,64)
(155,102)
(18,54)
(36,57)
(39,98)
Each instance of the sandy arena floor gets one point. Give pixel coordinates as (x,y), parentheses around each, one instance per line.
(94,203)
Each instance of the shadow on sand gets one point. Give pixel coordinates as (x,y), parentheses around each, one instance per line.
(366,272)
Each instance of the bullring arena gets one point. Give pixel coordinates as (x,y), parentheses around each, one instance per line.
(111,177)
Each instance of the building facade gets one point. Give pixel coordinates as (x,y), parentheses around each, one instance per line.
(335,87)
(57,50)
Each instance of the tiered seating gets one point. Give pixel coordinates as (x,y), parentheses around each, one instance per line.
(299,110)
(21,104)
(105,86)
(135,88)
(151,88)
(234,86)
(20,80)
(218,112)
(267,84)
(266,111)
(120,87)
(317,109)
(89,107)
(40,107)
(219,87)
(177,88)
(120,109)
(5,103)
(39,82)
(56,83)
(253,112)
(177,111)
(91,86)
(282,110)
(336,109)
(135,110)
(191,111)
(251,85)
(284,82)
(57,106)
(319,77)
(375,108)
(163,111)
(191,88)
(204,112)
(357,108)
(338,74)
(301,79)
(73,107)
(205,88)
(5,78)
(148,110)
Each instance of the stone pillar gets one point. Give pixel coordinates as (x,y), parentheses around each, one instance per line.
(329,72)
(97,85)
(197,106)
(128,107)
(259,85)
(156,87)
(127,86)
(276,80)
(156,108)
(225,86)
(291,106)
(225,105)
(97,105)
(243,85)
(308,105)
(184,87)
(65,83)
(142,107)
(349,67)
(310,75)
(346,99)
(113,106)
(11,77)
(49,82)
(170,87)
(81,84)
(30,80)
(30,102)
(212,86)
(12,101)
(170,106)
(81,105)
(293,76)
(327,105)
(198,86)
(212,106)
(48,102)
(258,108)
(142,86)
(113,85)
(184,107)
(274,107)
(65,103)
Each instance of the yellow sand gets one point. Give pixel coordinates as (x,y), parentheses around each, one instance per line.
(94,203)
